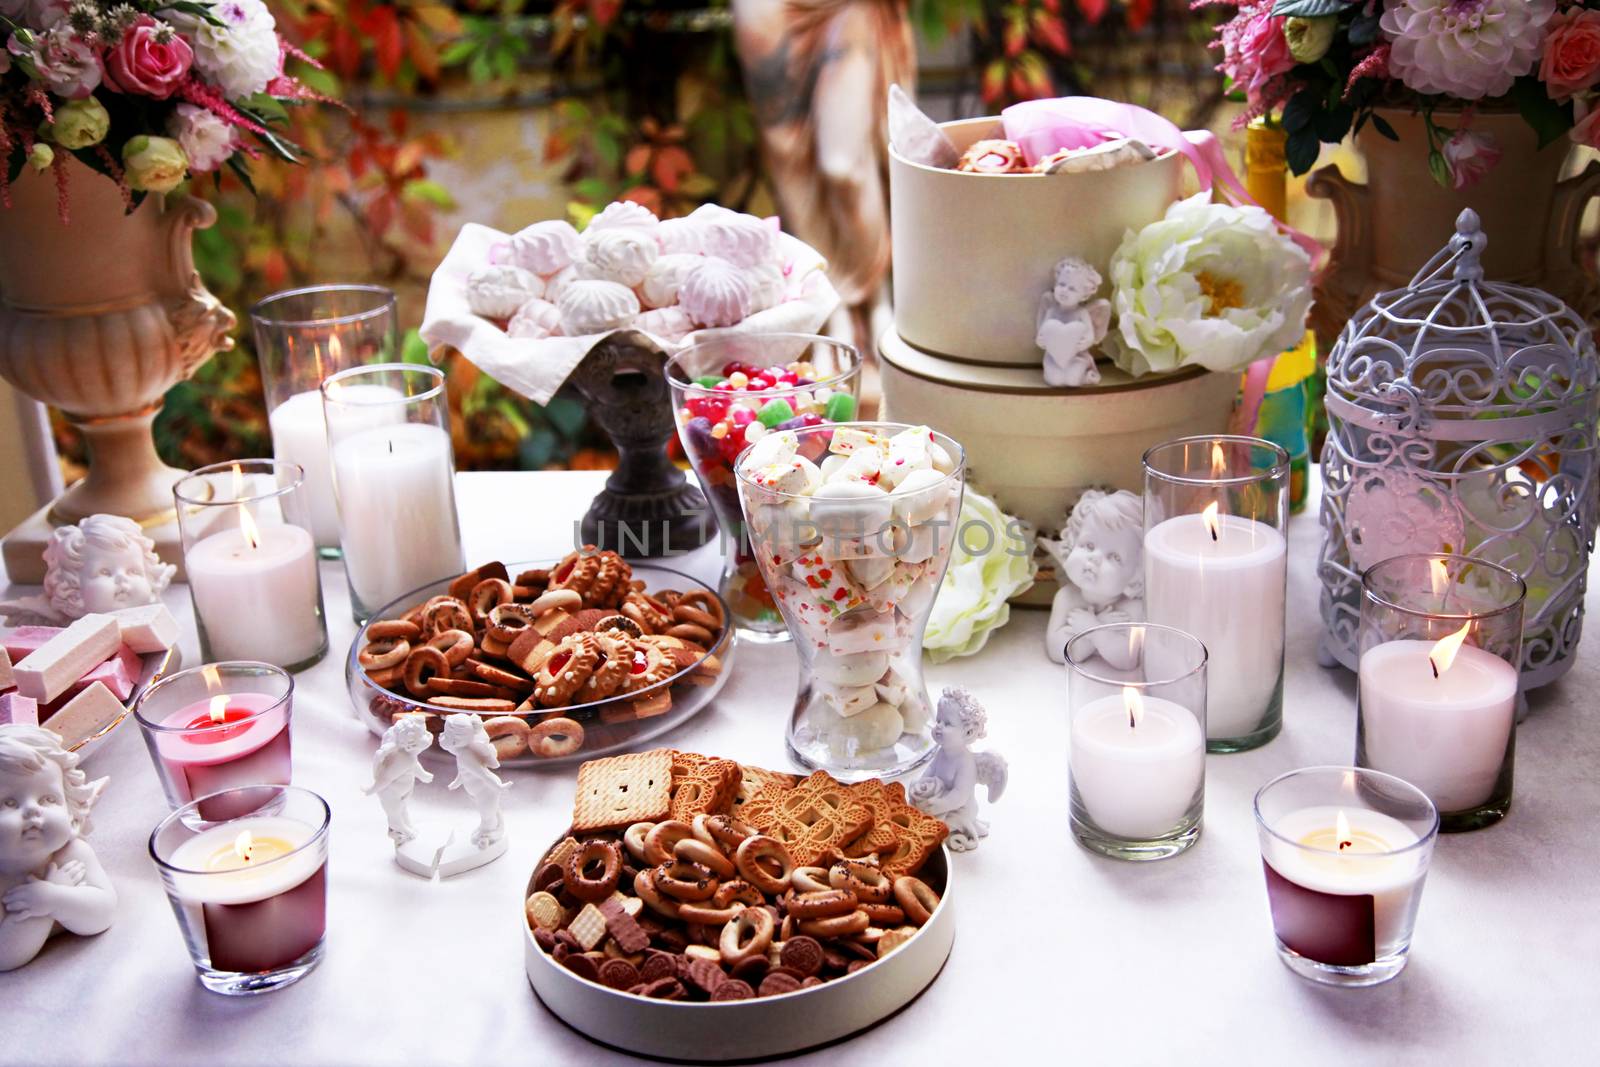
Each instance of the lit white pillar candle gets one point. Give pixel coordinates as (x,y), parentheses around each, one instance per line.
(300,435)
(397,510)
(1439,715)
(1137,763)
(255,591)
(1222,578)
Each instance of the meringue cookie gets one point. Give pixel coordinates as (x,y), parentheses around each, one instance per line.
(743,240)
(623,213)
(768,287)
(535,320)
(557,283)
(622,255)
(591,305)
(682,236)
(708,212)
(546,247)
(660,286)
(715,293)
(495,292)
(668,323)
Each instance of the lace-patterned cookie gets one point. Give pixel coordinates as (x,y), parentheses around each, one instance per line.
(702,785)
(812,819)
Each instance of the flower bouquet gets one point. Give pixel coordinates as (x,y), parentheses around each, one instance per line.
(146,92)
(1328,64)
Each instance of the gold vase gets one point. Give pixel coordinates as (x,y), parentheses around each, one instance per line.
(100,316)
(1389,226)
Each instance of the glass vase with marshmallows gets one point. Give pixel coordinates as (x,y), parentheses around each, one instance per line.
(852,525)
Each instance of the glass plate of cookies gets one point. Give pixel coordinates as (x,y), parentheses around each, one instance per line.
(564,660)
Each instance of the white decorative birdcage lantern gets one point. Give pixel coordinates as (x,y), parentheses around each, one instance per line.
(1462,418)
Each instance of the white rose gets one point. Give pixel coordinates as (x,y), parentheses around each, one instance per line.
(206,139)
(242,55)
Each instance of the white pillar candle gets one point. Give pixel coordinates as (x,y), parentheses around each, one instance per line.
(1323,911)
(261,899)
(255,590)
(1137,763)
(1445,733)
(1227,590)
(300,435)
(397,509)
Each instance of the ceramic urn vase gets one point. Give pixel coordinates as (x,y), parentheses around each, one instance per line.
(100,316)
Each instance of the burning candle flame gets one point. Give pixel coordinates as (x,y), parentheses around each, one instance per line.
(1438,576)
(1444,653)
(1209,516)
(243,844)
(1136,642)
(1341,831)
(219,708)
(248,527)
(1219,462)
(1134,705)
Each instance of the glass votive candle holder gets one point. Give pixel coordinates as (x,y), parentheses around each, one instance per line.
(1345,851)
(214,728)
(1438,676)
(250,891)
(394,479)
(301,337)
(1216,511)
(1137,762)
(252,563)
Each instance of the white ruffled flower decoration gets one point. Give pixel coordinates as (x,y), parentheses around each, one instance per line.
(1208,285)
(206,139)
(1468,49)
(241,56)
(972,599)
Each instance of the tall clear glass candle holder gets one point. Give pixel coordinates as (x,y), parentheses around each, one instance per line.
(730,392)
(1136,696)
(1345,851)
(1438,678)
(302,336)
(252,563)
(250,892)
(1216,512)
(854,569)
(394,479)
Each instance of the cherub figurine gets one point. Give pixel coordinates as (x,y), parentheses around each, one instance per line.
(948,788)
(102,564)
(1099,563)
(467,740)
(1070,323)
(396,769)
(49,877)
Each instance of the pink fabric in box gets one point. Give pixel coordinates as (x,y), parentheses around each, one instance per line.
(119,674)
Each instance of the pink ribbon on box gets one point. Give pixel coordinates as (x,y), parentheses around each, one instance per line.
(1043,127)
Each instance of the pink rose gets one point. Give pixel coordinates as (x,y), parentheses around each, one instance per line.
(1254,50)
(151,59)
(1571,62)
(1470,156)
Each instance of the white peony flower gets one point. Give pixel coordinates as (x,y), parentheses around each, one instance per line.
(1468,49)
(1208,285)
(991,563)
(206,139)
(241,56)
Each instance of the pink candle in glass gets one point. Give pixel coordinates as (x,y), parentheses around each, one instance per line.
(223,742)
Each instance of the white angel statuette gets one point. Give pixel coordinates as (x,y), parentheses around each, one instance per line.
(396,770)
(50,879)
(1071,321)
(1100,565)
(467,740)
(102,564)
(948,788)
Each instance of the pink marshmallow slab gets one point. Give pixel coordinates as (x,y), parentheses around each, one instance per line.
(119,674)
(7,680)
(25,639)
(18,710)
(86,714)
(49,670)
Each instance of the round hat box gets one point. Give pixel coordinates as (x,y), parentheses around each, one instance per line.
(974,252)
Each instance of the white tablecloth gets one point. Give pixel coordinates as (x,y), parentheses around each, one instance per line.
(1058,952)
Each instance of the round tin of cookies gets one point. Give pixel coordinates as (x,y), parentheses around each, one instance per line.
(772,1016)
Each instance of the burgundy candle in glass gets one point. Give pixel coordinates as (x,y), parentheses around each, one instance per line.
(218,727)
(250,892)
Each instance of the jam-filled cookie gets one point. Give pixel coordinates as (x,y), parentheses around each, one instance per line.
(565,670)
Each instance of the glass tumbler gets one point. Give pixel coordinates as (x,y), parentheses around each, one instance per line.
(1137,763)
(302,336)
(250,892)
(394,478)
(252,563)
(1438,677)
(854,568)
(728,393)
(1345,851)
(1216,512)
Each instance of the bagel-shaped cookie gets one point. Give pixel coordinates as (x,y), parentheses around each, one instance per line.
(593,869)
(445,613)
(708,856)
(847,925)
(765,863)
(868,883)
(820,904)
(663,838)
(916,898)
(456,645)
(554,738)
(686,882)
(700,608)
(644,886)
(508,734)
(422,666)
(383,653)
(389,629)
(748,935)
(488,595)
(507,621)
